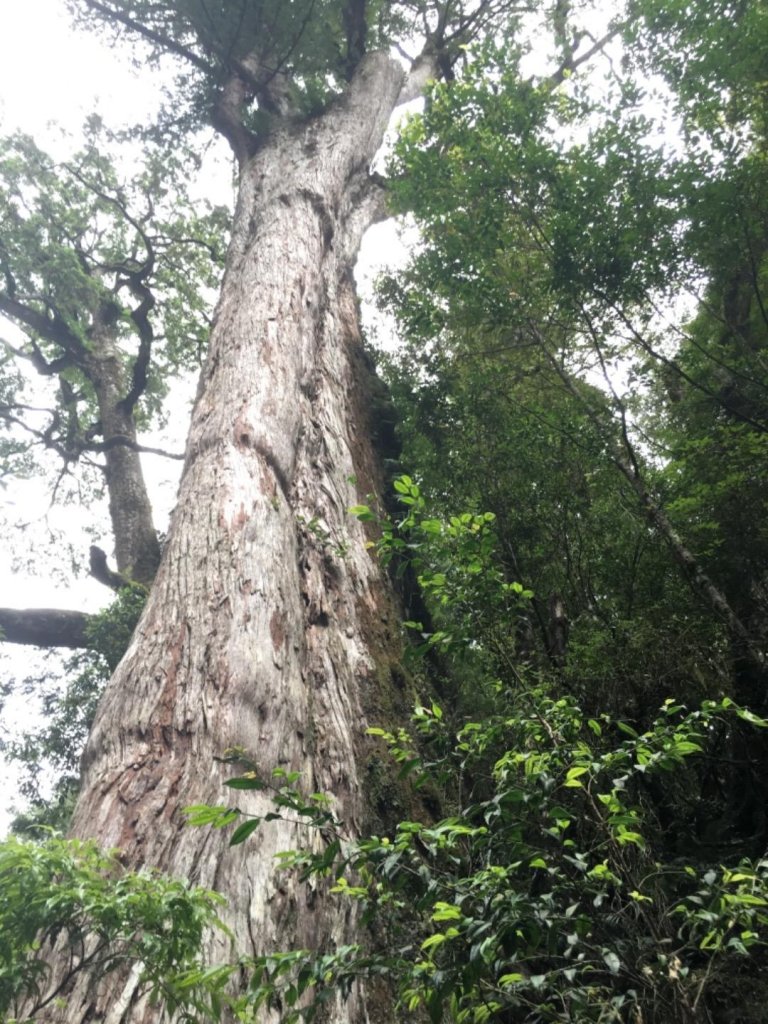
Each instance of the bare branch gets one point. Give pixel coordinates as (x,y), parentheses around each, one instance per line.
(53,329)
(121,441)
(572,62)
(101,571)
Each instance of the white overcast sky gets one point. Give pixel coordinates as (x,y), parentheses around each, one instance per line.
(50,73)
(52,77)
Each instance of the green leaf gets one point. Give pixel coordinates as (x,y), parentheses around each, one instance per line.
(242,832)
(445,912)
(361,512)
(573,775)
(752,718)
(511,979)
(249,781)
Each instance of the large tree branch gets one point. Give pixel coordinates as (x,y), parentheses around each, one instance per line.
(423,70)
(44,627)
(355,21)
(72,447)
(53,329)
(140,317)
(101,571)
(121,441)
(227,118)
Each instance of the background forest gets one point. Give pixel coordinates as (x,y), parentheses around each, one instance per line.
(571,826)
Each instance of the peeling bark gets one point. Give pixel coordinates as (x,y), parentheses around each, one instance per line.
(269,626)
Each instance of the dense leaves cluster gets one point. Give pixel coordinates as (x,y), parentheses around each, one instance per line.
(69,895)
(549,890)
(554,374)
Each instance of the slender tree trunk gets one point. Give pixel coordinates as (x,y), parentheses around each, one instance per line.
(269,626)
(623,457)
(137,550)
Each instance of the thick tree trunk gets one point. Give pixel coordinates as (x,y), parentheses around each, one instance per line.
(269,626)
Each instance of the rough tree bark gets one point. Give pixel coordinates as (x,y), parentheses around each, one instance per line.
(269,626)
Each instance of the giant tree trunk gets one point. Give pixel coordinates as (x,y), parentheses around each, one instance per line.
(269,626)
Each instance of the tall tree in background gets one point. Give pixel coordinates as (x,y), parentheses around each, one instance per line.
(550,268)
(107,277)
(577,252)
(269,627)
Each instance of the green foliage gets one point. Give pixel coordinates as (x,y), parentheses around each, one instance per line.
(551,373)
(69,895)
(110,630)
(560,233)
(290,58)
(713,55)
(454,562)
(495,167)
(547,890)
(109,276)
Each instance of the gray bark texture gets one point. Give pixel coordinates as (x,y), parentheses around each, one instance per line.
(269,626)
